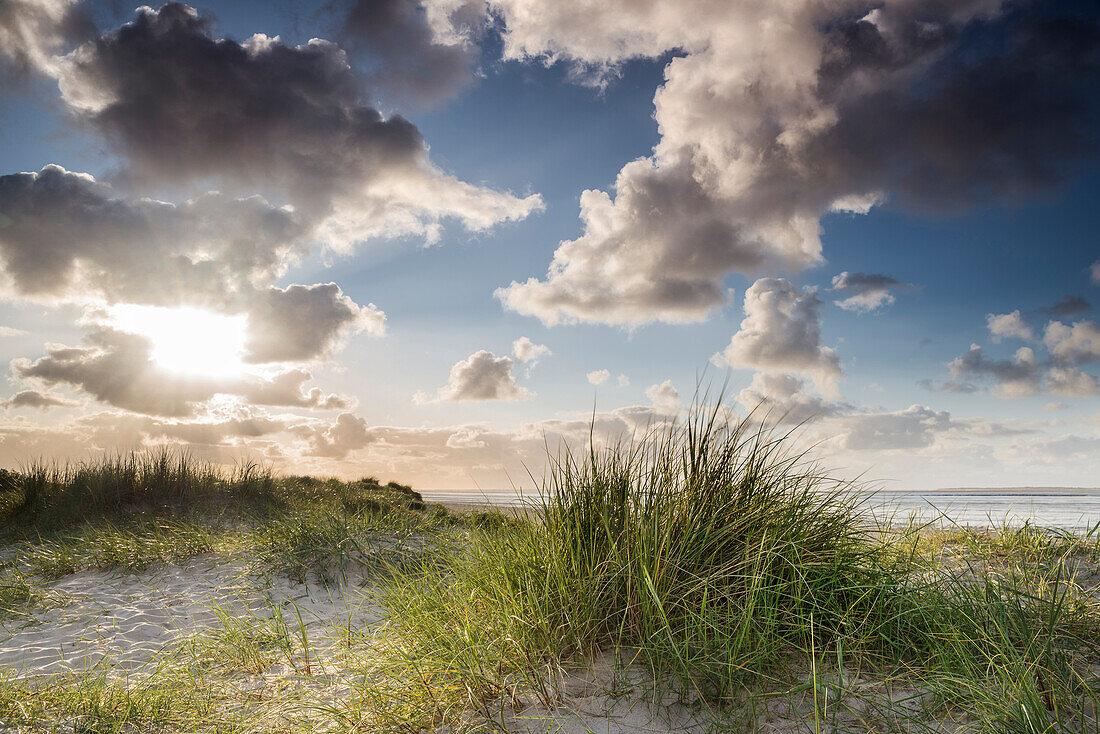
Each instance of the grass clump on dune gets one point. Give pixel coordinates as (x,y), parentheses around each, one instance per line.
(728,566)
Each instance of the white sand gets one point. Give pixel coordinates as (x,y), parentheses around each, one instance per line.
(125,620)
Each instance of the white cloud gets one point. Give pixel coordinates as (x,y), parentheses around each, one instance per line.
(528,352)
(10,331)
(868,292)
(1071,381)
(1008,326)
(1076,344)
(623,381)
(481,376)
(782,397)
(665,398)
(599,377)
(781,331)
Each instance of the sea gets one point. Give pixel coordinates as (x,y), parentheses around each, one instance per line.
(1071,509)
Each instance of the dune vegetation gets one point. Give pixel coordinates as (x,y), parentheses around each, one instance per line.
(702,572)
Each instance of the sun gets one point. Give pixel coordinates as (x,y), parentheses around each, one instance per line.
(187,340)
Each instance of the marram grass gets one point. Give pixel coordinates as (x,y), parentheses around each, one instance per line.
(706,552)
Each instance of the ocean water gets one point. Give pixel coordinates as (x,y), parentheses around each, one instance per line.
(1076,510)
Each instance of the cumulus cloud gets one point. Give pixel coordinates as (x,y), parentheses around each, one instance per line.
(70,238)
(11,331)
(181,105)
(773,114)
(526,351)
(783,398)
(665,398)
(1068,348)
(868,292)
(481,376)
(425,51)
(301,322)
(781,331)
(336,441)
(623,381)
(1076,344)
(1008,326)
(915,427)
(1071,381)
(36,399)
(117,368)
(1015,378)
(598,377)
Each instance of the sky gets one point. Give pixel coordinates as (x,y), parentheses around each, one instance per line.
(430,240)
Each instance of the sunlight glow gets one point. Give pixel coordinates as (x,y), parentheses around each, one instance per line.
(187,340)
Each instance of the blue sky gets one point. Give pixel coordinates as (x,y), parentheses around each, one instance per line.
(882,391)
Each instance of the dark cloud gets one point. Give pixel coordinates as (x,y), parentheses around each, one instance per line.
(1067,308)
(1068,347)
(71,237)
(866,291)
(300,323)
(36,399)
(1003,105)
(423,51)
(182,105)
(1017,377)
(821,107)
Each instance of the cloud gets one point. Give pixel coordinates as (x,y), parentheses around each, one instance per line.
(116,368)
(665,398)
(1008,326)
(71,239)
(481,376)
(423,51)
(285,389)
(299,322)
(869,292)
(181,105)
(1094,272)
(915,427)
(1072,382)
(35,399)
(783,398)
(1074,345)
(32,32)
(347,434)
(1014,378)
(1052,407)
(598,377)
(623,381)
(528,352)
(772,115)
(11,331)
(781,331)
(1066,308)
